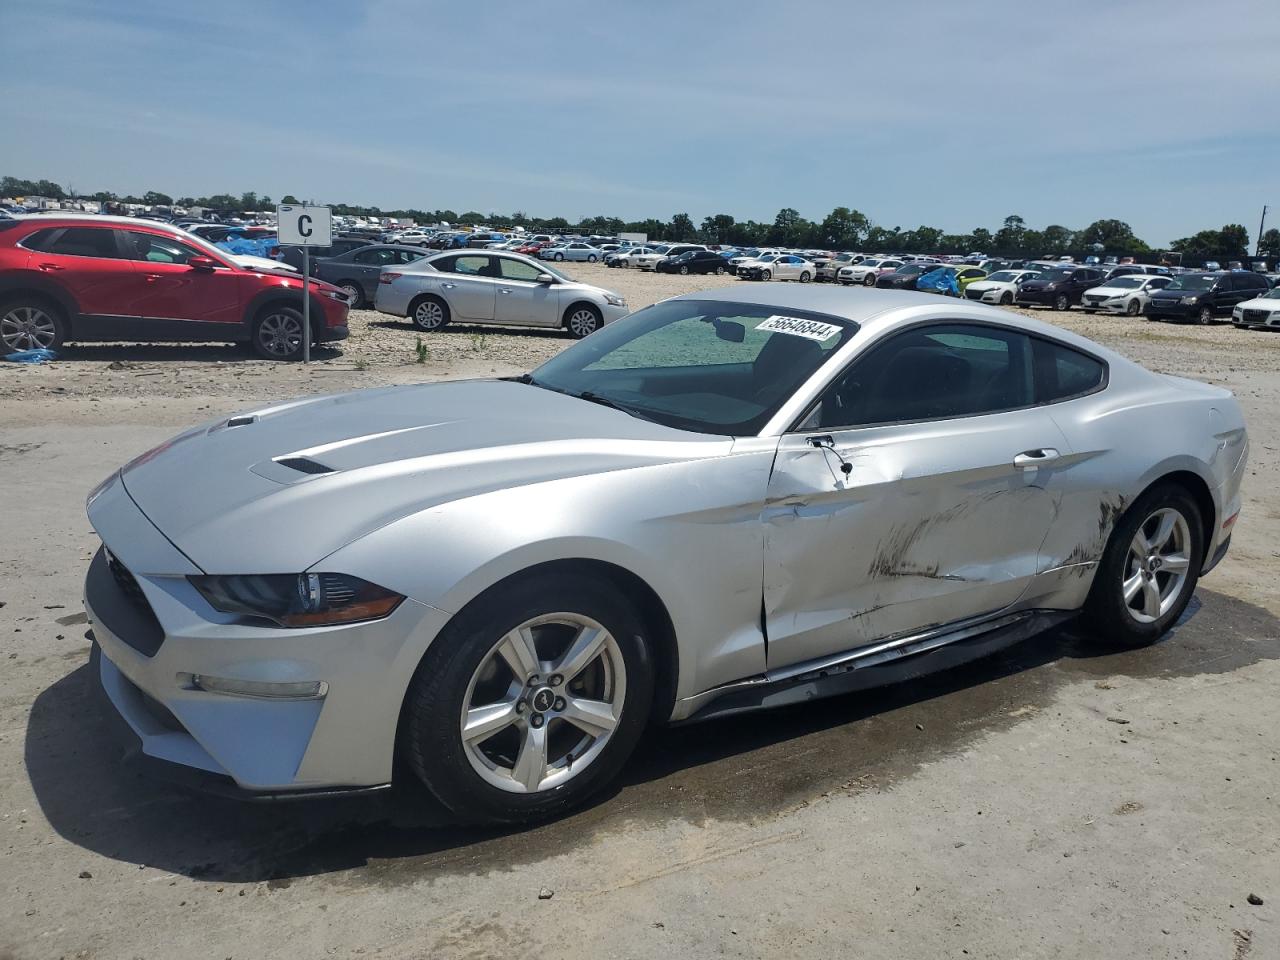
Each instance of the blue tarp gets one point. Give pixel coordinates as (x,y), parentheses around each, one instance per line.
(942,280)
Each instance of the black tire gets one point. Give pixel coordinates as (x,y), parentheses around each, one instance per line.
(28,322)
(559,258)
(1062,302)
(766,274)
(430,738)
(591,258)
(1006,300)
(1205,316)
(1133,308)
(277,333)
(804,277)
(354,292)
(719,271)
(1105,611)
(429,313)
(582,320)
(684,271)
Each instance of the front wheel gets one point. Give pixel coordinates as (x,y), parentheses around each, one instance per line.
(869,280)
(1149,570)
(591,258)
(805,278)
(559,257)
(1205,317)
(719,271)
(766,274)
(583,320)
(684,271)
(1133,308)
(531,700)
(277,334)
(1061,302)
(1006,300)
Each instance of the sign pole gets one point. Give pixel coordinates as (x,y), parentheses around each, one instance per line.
(306,304)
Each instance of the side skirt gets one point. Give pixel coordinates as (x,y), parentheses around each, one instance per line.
(875,665)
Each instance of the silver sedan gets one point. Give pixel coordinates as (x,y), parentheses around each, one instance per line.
(726,501)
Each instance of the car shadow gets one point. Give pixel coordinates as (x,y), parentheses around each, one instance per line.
(744,769)
(554,333)
(169,352)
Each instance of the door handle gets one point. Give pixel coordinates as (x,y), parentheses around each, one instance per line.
(154,276)
(448,286)
(51,266)
(1036,458)
(504,289)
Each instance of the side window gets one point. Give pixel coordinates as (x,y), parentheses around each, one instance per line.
(157,249)
(371,258)
(41,239)
(474,265)
(408,256)
(518,270)
(1062,373)
(85,242)
(933,373)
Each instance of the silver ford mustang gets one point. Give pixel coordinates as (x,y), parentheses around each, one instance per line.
(728,500)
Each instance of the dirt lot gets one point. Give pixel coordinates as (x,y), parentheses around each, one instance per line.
(1054,802)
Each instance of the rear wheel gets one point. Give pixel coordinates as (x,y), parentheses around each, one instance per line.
(1150,568)
(429,313)
(582,319)
(530,700)
(277,333)
(804,277)
(30,323)
(354,292)
(591,258)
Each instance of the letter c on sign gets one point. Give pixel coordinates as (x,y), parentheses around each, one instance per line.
(304,225)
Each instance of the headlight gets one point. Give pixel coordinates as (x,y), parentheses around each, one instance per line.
(614,300)
(1189,299)
(302,600)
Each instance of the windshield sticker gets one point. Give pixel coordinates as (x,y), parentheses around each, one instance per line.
(809,329)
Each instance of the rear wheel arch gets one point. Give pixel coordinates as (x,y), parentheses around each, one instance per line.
(48,292)
(1199,490)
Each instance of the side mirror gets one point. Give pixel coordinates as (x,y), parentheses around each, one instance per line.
(202,263)
(546,278)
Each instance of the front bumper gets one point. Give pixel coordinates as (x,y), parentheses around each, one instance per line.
(161,627)
(1171,308)
(1255,318)
(1040,298)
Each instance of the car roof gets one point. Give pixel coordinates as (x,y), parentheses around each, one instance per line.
(69,219)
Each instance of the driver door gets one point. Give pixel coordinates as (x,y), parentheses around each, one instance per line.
(943,510)
(172,293)
(521,299)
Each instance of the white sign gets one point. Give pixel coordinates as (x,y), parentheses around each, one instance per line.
(300,226)
(798,327)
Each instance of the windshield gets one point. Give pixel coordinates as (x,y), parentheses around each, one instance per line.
(1272,294)
(701,365)
(1200,282)
(1053,276)
(1126,283)
(1004,276)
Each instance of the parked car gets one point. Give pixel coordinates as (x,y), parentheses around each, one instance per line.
(618,258)
(905,277)
(1205,297)
(780,266)
(753,253)
(693,261)
(414,238)
(1261,311)
(827,271)
(1000,287)
(482,240)
(1059,287)
(1127,293)
(571,251)
(951,280)
(356,578)
(357,271)
(293,255)
(656,252)
(93,278)
(867,271)
(494,288)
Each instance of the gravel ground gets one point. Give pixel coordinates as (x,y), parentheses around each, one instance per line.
(1054,802)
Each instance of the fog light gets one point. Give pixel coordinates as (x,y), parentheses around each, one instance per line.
(299,690)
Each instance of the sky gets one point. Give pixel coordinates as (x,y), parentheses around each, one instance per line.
(946,114)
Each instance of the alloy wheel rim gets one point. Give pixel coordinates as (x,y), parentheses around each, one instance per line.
(353,292)
(27,328)
(582,322)
(1157,565)
(543,703)
(280,334)
(428,315)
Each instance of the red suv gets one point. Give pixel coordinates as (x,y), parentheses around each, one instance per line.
(115,278)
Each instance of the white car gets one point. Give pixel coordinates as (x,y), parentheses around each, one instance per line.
(867,271)
(577,250)
(1128,293)
(1263,311)
(751,254)
(830,269)
(1000,287)
(622,258)
(780,266)
(647,261)
(417,238)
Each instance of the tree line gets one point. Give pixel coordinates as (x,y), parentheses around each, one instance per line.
(844,228)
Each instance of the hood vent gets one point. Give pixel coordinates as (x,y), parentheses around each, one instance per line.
(242,421)
(304,465)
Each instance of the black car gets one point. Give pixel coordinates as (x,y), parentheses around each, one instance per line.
(905,277)
(693,261)
(1204,297)
(293,255)
(356,271)
(1059,287)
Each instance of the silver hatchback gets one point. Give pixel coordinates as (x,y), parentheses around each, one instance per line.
(495,287)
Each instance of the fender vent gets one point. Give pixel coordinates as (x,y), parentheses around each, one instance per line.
(304,465)
(242,421)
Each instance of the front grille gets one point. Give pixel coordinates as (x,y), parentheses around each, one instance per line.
(127,583)
(1094,299)
(1255,316)
(973,294)
(125,610)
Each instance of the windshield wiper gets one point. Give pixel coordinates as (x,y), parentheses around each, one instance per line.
(525,378)
(611,404)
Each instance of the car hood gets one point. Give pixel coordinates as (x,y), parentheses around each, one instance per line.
(236,496)
(1261,303)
